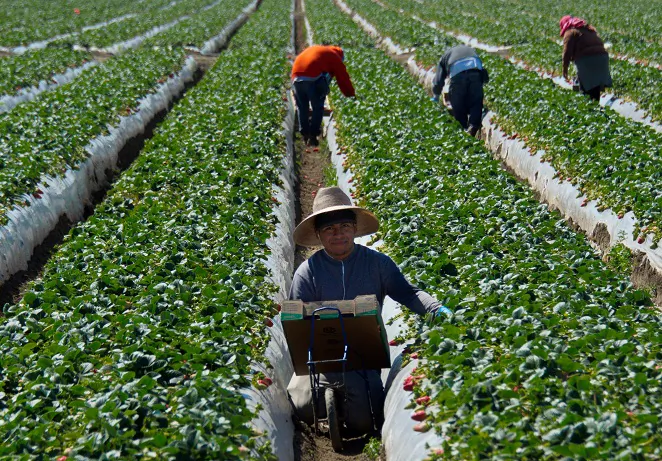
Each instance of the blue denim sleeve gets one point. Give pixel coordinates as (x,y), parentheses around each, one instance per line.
(398,288)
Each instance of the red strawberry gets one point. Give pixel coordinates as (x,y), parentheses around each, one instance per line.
(316,149)
(422,400)
(641,239)
(422,427)
(269,323)
(267,381)
(278,308)
(414,355)
(62,458)
(263,384)
(585,202)
(408,387)
(393,342)
(438,451)
(620,215)
(419,415)
(76,11)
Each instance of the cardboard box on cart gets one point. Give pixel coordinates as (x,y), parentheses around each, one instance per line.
(366,335)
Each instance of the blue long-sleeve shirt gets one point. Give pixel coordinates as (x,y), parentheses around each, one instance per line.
(364,272)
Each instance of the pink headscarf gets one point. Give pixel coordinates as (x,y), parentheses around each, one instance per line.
(568,22)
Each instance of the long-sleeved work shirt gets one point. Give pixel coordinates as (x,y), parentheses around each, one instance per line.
(317,60)
(581,42)
(364,272)
(451,56)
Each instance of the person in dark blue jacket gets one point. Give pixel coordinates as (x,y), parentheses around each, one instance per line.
(345,270)
(467,76)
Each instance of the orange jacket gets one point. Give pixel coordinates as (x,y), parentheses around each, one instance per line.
(318,59)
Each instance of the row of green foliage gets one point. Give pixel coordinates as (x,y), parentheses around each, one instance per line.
(201,26)
(549,354)
(610,159)
(27,70)
(141,333)
(140,24)
(641,84)
(48,135)
(25,22)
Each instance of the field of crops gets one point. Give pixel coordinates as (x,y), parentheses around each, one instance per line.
(161,132)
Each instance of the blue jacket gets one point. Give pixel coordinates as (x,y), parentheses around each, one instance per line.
(364,272)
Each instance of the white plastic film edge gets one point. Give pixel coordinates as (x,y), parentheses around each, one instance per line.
(67,195)
(564,196)
(274,420)
(213,45)
(44,43)
(7,102)
(626,109)
(401,442)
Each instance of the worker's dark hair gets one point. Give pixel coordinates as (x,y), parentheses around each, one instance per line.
(334,217)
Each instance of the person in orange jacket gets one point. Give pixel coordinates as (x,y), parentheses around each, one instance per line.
(312,72)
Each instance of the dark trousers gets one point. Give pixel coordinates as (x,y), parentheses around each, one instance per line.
(355,410)
(466,97)
(310,93)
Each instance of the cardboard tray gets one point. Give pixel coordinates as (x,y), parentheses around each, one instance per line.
(366,335)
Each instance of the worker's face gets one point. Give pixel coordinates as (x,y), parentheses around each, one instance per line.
(338,239)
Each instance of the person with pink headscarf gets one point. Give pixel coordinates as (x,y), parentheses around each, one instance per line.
(583,46)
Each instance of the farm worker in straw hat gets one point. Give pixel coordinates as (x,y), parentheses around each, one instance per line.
(344,270)
(465,69)
(583,46)
(312,72)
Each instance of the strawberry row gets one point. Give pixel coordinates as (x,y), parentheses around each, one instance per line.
(37,21)
(139,24)
(609,159)
(143,329)
(549,354)
(18,73)
(641,84)
(51,134)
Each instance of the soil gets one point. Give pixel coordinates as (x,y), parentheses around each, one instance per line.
(13,289)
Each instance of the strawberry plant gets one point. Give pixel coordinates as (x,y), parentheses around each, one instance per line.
(549,353)
(610,159)
(141,23)
(48,135)
(27,70)
(144,327)
(38,20)
(535,41)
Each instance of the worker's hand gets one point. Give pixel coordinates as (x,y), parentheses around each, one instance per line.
(443,311)
(435,98)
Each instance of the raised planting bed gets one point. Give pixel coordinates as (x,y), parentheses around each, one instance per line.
(142,335)
(640,84)
(34,23)
(36,68)
(602,166)
(549,353)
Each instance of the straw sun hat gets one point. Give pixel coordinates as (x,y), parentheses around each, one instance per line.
(330,199)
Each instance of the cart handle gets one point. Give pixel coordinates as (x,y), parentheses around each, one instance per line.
(312,333)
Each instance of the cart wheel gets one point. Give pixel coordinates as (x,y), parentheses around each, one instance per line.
(334,423)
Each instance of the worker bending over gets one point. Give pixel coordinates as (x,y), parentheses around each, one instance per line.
(583,46)
(467,76)
(312,73)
